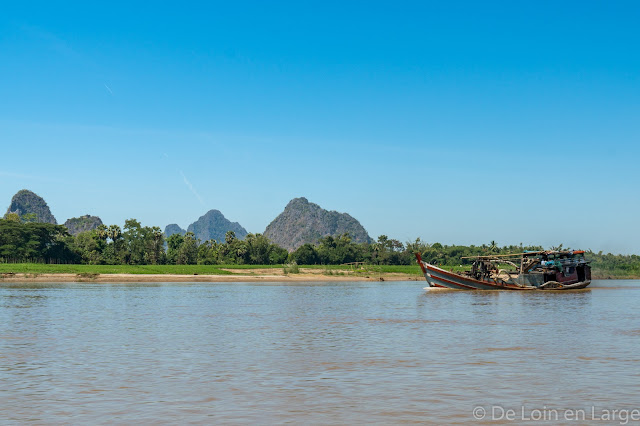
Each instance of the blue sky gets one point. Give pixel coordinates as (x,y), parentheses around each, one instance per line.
(457,122)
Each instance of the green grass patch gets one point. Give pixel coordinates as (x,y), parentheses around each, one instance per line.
(247,266)
(39,268)
(88,270)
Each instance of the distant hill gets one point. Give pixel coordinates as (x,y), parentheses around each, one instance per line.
(77,225)
(213,226)
(303,222)
(26,202)
(173,229)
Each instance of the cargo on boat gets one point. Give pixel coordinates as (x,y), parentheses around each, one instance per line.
(536,270)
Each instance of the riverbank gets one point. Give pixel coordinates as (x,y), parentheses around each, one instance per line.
(151,278)
(231,276)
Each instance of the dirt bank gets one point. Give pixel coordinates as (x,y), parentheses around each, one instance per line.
(266,275)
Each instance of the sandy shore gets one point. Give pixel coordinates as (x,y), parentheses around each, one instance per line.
(255,277)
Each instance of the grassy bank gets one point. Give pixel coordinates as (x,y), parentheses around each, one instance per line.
(39,268)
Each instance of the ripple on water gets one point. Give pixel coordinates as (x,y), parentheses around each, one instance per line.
(514,348)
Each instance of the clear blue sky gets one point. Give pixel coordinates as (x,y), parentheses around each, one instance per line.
(458,122)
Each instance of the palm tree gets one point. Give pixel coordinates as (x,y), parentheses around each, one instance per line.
(158,244)
(229,237)
(114,233)
(101,231)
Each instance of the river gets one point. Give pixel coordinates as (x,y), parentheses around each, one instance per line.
(316,353)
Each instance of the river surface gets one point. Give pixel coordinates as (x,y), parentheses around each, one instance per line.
(315,353)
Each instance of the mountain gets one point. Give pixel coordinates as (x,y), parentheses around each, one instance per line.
(173,229)
(26,202)
(77,225)
(213,226)
(303,222)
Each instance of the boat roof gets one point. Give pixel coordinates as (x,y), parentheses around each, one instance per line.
(528,253)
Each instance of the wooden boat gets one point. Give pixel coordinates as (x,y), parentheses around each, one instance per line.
(537,270)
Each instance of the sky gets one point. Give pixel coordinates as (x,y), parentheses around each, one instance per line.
(457,122)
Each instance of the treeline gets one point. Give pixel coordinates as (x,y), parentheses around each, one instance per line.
(30,241)
(24,241)
(134,244)
(255,249)
(614,265)
(387,251)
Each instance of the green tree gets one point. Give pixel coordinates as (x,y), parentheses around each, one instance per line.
(380,249)
(41,242)
(304,255)
(208,253)
(89,246)
(134,244)
(337,250)
(229,237)
(113,252)
(188,251)
(155,253)
(29,218)
(142,244)
(13,217)
(174,242)
(259,249)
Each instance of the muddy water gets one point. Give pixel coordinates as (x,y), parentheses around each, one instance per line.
(314,353)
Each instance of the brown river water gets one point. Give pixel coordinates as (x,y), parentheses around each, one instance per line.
(317,353)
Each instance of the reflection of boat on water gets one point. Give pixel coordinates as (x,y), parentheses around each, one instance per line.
(538,270)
